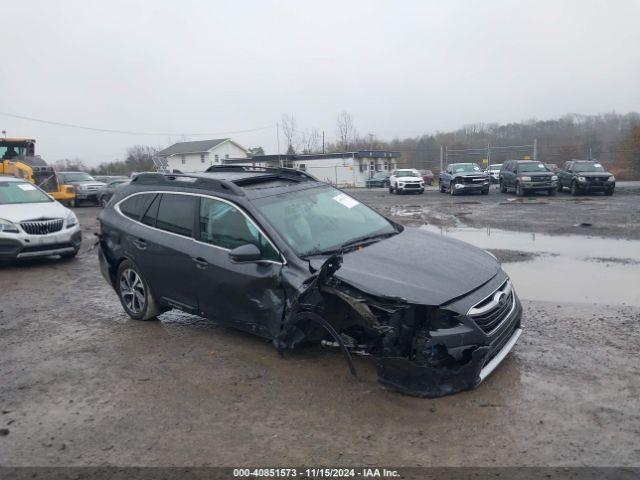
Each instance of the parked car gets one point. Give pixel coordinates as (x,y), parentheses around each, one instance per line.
(105,193)
(585,176)
(427,176)
(379,179)
(494,172)
(33,224)
(85,186)
(524,176)
(281,255)
(460,178)
(406,180)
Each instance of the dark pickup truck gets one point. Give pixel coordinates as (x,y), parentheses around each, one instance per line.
(585,176)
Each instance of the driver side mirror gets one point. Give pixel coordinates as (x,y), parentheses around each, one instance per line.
(245,253)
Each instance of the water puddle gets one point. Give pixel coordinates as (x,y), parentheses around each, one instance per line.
(571,268)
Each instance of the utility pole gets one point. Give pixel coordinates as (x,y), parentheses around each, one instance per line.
(278,136)
(488,156)
(370,141)
(535,149)
(322,141)
(441,156)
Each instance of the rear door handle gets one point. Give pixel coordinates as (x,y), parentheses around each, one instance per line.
(200,262)
(139,243)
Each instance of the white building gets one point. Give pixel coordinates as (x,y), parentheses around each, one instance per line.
(191,157)
(343,169)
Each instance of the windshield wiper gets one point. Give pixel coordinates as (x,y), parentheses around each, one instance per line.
(351,244)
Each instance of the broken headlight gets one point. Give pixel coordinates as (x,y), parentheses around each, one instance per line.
(442,319)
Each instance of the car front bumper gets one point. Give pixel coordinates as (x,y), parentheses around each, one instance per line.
(471,187)
(539,185)
(20,246)
(87,196)
(596,186)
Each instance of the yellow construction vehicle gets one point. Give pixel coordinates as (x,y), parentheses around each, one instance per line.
(18,159)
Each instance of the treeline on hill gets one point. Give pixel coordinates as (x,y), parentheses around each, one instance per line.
(611,138)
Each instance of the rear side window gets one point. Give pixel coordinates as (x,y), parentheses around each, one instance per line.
(175,213)
(133,207)
(225,226)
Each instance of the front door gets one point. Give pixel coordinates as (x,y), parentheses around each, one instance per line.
(246,294)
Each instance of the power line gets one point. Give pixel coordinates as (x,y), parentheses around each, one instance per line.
(130,132)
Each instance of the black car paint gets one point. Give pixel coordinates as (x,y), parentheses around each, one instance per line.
(380,179)
(385,310)
(595,181)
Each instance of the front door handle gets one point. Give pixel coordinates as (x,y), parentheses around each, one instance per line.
(140,243)
(200,262)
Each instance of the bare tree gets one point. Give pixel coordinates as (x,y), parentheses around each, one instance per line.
(310,141)
(347,132)
(288,124)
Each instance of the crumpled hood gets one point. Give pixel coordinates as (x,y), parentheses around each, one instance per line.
(418,266)
(17,213)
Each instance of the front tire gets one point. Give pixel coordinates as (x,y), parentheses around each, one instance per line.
(519,190)
(485,191)
(442,189)
(452,190)
(560,186)
(552,192)
(608,192)
(574,188)
(503,187)
(134,293)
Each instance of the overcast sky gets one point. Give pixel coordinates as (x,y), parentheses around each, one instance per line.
(401,68)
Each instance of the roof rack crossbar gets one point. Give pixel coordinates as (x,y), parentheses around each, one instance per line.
(169,179)
(247,168)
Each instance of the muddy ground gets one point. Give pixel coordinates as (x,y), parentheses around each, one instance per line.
(81,384)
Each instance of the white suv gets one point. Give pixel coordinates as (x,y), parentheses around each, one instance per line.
(32,224)
(406,180)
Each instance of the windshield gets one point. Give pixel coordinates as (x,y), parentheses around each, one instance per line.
(407,173)
(320,219)
(532,167)
(76,177)
(465,167)
(588,167)
(21,192)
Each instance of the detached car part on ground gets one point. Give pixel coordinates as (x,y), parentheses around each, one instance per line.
(32,224)
(279,254)
(460,178)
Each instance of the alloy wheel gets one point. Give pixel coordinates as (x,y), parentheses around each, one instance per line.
(132,291)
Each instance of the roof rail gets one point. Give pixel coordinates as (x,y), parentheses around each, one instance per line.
(246,168)
(192,181)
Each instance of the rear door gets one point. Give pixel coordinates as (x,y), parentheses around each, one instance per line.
(246,294)
(166,249)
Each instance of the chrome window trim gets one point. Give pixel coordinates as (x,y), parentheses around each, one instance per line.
(116,207)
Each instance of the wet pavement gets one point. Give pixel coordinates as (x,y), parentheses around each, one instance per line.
(84,385)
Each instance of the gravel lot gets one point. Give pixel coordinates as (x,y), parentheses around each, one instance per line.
(84,385)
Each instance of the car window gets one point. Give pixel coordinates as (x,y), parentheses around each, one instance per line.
(149,217)
(532,167)
(224,225)
(134,206)
(21,192)
(175,213)
(320,219)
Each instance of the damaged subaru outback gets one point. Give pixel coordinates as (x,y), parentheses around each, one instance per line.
(277,253)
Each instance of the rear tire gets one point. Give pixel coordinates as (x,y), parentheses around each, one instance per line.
(134,293)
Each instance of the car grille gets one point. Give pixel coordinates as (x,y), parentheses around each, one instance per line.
(490,312)
(597,179)
(42,227)
(540,179)
(412,185)
(474,179)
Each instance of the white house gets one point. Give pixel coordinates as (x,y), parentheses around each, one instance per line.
(343,169)
(191,157)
